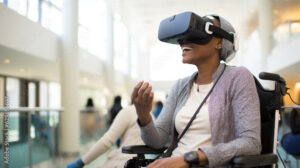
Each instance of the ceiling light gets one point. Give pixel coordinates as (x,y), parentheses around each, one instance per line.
(6,61)
(297,86)
(275,12)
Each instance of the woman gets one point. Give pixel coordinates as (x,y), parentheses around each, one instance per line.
(124,126)
(228,124)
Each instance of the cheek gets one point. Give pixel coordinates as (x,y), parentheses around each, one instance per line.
(202,52)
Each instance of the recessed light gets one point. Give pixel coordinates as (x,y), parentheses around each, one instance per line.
(275,12)
(6,61)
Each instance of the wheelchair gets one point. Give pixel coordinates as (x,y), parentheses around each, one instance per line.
(270,104)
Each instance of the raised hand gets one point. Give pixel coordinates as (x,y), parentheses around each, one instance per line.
(142,97)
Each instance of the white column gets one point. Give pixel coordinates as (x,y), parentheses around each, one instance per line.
(265,29)
(69,122)
(109,63)
(265,17)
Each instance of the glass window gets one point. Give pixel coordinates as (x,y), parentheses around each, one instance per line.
(133,59)
(1,92)
(295,27)
(1,105)
(54,101)
(43,94)
(166,63)
(33,10)
(51,17)
(18,5)
(46,17)
(120,46)
(1,1)
(56,20)
(83,37)
(92,31)
(31,94)
(54,95)
(13,98)
(57,3)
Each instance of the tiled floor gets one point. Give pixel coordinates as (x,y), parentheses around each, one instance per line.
(60,162)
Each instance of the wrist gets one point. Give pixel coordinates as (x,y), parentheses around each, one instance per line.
(185,164)
(202,158)
(192,158)
(145,120)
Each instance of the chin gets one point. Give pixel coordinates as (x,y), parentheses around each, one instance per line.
(186,61)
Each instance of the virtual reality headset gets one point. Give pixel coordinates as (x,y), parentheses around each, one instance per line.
(188,26)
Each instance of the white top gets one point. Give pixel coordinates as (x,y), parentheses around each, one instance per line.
(199,134)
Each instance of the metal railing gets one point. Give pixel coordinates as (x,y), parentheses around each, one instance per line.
(5,131)
(285,110)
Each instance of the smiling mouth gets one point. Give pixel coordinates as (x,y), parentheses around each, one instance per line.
(186,49)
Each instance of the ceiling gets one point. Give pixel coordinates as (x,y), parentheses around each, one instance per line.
(19,64)
(144,16)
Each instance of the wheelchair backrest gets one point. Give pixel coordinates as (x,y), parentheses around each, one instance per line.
(269,103)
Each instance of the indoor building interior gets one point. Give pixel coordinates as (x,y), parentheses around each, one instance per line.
(63,62)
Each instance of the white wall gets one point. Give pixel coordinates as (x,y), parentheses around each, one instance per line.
(284,55)
(19,33)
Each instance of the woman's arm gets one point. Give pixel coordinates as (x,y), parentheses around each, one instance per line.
(120,125)
(246,111)
(156,135)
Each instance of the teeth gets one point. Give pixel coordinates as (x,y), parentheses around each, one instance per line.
(186,48)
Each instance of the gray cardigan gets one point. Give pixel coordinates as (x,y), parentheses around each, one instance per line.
(234,114)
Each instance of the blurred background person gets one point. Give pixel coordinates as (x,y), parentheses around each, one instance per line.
(114,110)
(125,127)
(158,108)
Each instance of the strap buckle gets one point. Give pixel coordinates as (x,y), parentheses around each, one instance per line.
(207,24)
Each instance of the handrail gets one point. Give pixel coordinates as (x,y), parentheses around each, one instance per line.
(28,109)
(290,107)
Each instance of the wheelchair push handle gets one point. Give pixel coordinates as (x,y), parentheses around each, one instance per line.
(271,76)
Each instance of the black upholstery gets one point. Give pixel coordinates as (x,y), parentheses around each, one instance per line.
(268,106)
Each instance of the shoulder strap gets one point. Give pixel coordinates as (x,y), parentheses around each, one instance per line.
(175,143)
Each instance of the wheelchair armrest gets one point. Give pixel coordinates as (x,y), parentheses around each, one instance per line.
(255,160)
(141,149)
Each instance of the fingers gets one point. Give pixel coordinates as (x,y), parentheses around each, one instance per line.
(147,92)
(144,92)
(136,89)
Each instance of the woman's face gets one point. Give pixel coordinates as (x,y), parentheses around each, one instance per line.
(197,54)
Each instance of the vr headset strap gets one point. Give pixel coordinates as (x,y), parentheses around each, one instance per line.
(217,31)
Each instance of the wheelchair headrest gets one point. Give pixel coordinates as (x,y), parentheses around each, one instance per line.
(267,101)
